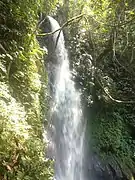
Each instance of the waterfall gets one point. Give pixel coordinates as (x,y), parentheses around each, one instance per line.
(66,116)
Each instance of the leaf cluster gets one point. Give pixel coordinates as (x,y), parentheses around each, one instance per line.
(23,92)
(102,59)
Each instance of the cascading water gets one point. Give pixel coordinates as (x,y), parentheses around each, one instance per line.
(66,116)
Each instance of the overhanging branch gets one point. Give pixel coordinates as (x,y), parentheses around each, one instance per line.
(112,98)
(65,24)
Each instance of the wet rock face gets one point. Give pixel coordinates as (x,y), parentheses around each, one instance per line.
(48,43)
(97,170)
(47,40)
(45,27)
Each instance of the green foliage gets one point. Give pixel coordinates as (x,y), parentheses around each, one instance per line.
(21,150)
(102,47)
(113,137)
(23,90)
(102,54)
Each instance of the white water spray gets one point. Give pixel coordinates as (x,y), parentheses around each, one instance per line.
(67,121)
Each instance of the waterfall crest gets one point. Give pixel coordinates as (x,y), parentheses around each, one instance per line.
(66,116)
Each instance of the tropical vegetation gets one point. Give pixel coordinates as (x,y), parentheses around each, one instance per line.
(101,45)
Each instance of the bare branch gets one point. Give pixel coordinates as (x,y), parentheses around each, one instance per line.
(112,98)
(65,24)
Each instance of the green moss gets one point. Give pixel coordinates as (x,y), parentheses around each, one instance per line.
(112,138)
(23,92)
